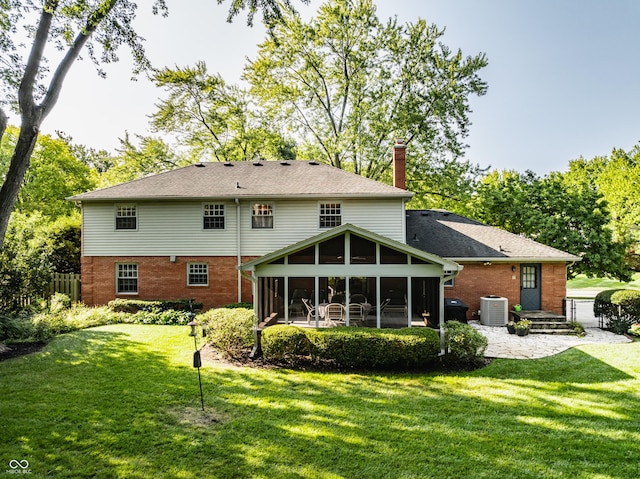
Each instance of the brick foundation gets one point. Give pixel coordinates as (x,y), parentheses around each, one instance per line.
(159,278)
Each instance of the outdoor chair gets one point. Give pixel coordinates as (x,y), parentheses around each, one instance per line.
(356,314)
(311,309)
(383,305)
(333,314)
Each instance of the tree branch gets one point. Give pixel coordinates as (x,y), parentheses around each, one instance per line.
(93,21)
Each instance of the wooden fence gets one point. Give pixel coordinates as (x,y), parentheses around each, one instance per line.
(66,283)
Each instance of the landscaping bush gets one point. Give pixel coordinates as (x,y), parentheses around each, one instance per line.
(244,305)
(620,309)
(156,316)
(282,343)
(351,347)
(45,325)
(465,345)
(229,330)
(121,305)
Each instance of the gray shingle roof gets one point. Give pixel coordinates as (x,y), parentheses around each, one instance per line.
(458,238)
(244,179)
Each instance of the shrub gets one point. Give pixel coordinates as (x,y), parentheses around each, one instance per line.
(620,308)
(121,305)
(635,329)
(158,316)
(283,343)
(465,345)
(351,347)
(59,302)
(229,330)
(244,305)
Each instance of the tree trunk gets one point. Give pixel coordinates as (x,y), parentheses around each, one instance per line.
(17,169)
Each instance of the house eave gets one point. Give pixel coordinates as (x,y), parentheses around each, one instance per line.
(515,259)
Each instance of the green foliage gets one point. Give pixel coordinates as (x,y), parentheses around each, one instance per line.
(465,345)
(620,309)
(351,347)
(555,211)
(245,305)
(230,331)
(59,302)
(53,175)
(284,343)
(346,85)
(25,267)
(635,329)
(122,305)
(43,326)
(215,120)
(157,316)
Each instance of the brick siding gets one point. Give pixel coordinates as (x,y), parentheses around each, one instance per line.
(477,280)
(159,278)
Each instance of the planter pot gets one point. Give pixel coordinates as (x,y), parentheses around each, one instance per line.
(511,328)
(522,332)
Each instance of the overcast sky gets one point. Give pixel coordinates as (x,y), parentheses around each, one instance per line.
(563,74)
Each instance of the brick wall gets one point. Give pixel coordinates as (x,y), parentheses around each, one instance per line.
(477,280)
(159,278)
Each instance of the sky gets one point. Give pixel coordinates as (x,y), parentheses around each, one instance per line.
(563,75)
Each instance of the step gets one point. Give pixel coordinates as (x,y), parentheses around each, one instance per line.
(550,325)
(553,331)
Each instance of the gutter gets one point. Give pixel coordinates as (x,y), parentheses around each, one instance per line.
(238,252)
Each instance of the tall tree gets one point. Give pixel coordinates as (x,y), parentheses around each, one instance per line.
(212,119)
(557,212)
(347,85)
(99,27)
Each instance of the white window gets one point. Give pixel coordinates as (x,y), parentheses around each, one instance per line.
(330,215)
(197,274)
(126,217)
(127,278)
(262,215)
(213,217)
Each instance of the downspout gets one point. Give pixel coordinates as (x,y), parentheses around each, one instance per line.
(238,253)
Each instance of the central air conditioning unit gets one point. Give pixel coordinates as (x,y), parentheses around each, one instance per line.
(494,311)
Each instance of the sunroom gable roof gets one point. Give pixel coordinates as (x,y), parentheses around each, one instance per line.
(447,265)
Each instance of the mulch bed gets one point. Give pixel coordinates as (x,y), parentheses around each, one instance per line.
(8,351)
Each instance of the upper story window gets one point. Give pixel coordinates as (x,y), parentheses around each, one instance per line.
(126,217)
(213,218)
(127,278)
(197,274)
(262,215)
(330,215)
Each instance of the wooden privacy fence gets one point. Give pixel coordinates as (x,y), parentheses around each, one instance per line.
(66,283)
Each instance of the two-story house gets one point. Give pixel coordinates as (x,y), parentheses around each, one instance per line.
(276,232)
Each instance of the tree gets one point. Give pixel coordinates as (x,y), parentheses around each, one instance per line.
(347,85)
(557,212)
(212,119)
(54,174)
(99,27)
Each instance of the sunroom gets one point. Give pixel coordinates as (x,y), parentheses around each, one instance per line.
(350,276)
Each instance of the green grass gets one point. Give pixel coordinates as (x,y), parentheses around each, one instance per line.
(122,401)
(582,282)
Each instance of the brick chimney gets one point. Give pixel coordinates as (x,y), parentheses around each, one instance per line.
(399,164)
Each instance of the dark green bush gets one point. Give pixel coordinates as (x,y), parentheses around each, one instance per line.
(229,330)
(243,305)
(465,345)
(620,308)
(122,305)
(353,347)
(282,343)
(166,317)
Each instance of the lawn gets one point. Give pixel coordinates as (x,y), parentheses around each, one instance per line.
(582,282)
(122,401)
